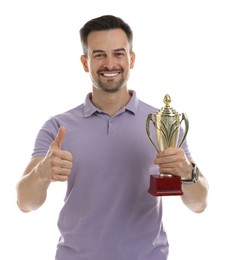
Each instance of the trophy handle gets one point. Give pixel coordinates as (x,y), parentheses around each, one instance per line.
(185,119)
(149,119)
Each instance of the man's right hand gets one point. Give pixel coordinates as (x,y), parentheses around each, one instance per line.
(57,164)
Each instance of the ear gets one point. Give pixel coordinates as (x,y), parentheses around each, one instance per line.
(83,60)
(132,60)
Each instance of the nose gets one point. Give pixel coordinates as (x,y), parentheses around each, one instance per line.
(109,62)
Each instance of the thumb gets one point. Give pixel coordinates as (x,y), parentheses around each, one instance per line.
(59,138)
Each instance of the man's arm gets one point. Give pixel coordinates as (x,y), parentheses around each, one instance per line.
(55,166)
(174,161)
(195,194)
(32,187)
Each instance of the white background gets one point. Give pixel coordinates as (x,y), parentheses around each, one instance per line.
(180,49)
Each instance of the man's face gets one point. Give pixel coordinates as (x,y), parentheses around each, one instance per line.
(108,59)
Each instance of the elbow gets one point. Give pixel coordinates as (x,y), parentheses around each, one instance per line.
(22,207)
(25,207)
(203,202)
(200,209)
(196,199)
(198,206)
(26,204)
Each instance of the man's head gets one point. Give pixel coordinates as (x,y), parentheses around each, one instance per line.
(105,22)
(108,55)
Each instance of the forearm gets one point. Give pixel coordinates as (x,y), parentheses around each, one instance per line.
(31,191)
(195,195)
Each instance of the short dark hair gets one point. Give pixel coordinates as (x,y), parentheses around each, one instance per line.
(105,22)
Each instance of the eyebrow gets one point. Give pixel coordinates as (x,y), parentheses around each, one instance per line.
(119,49)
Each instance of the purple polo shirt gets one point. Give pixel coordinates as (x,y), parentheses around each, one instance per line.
(108,213)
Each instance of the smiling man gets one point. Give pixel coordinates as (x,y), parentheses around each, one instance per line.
(102,150)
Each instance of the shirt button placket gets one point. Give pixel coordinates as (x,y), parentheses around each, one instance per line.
(111,130)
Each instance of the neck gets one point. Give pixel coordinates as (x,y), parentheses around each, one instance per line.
(110,103)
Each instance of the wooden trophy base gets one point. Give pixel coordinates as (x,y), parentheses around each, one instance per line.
(165,186)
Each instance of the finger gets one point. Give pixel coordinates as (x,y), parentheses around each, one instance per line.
(61,174)
(166,160)
(167,152)
(60,137)
(64,161)
(60,178)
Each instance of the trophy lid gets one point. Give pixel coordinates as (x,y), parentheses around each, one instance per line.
(167,110)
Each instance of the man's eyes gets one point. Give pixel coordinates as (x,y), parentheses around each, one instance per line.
(119,54)
(99,55)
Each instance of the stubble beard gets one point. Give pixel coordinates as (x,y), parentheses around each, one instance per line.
(111,86)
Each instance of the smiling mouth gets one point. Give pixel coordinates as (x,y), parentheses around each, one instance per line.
(110,74)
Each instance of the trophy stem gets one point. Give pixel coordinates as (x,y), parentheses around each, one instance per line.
(162,175)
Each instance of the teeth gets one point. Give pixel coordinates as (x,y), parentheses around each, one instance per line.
(110,75)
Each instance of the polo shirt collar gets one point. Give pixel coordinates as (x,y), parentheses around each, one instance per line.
(132,105)
(90,109)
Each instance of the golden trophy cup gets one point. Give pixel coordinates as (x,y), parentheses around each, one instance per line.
(167,122)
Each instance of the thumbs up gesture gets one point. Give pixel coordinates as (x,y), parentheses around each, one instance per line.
(57,164)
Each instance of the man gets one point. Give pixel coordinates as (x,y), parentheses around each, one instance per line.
(102,150)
